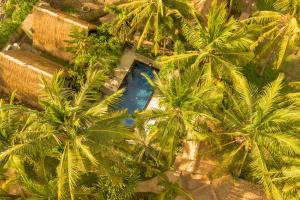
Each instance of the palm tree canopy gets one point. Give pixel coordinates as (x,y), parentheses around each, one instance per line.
(73,129)
(220,46)
(259,129)
(152,18)
(184,99)
(280,30)
(288,179)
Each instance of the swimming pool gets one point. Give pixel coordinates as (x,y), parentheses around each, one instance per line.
(138,91)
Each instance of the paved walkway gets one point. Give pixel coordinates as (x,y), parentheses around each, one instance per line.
(192,174)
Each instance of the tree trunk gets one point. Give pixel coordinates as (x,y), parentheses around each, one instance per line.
(230,2)
(262,70)
(164,48)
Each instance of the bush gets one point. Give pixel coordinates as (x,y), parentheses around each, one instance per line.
(15,12)
(98,50)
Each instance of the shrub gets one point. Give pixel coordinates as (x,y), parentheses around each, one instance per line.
(15,12)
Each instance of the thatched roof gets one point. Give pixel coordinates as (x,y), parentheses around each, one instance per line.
(20,71)
(51,30)
(26,25)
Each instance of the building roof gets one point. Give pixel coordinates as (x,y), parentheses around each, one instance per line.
(20,71)
(51,30)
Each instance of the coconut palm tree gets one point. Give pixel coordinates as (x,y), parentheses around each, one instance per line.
(288,179)
(37,189)
(259,129)
(8,124)
(219,46)
(75,131)
(147,151)
(151,18)
(280,33)
(184,100)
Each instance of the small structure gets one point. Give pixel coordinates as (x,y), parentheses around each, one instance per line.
(51,30)
(20,71)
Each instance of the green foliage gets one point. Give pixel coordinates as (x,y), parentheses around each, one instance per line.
(153,20)
(250,71)
(184,99)
(279,35)
(264,4)
(75,131)
(171,190)
(77,147)
(179,47)
(219,46)
(15,12)
(288,179)
(259,131)
(99,50)
(120,187)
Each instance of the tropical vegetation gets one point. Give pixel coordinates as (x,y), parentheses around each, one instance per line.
(78,147)
(155,20)
(98,50)
(279,31)
(259,132)
(15,12)
(220,47)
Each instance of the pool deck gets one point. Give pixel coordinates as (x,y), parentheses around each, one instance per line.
(127,59)
(154,103)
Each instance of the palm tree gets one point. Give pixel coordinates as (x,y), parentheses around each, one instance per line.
(288,179)
(184,99)
(74,131)
(8,125)
(219,46)
(280,31)
(36,189)
(147,151)
(152,18)
(258,130)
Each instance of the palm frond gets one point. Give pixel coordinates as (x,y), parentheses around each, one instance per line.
(88,92)
(261,172)
(270,95)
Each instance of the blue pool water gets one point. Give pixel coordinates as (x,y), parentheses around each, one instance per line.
(137,89)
